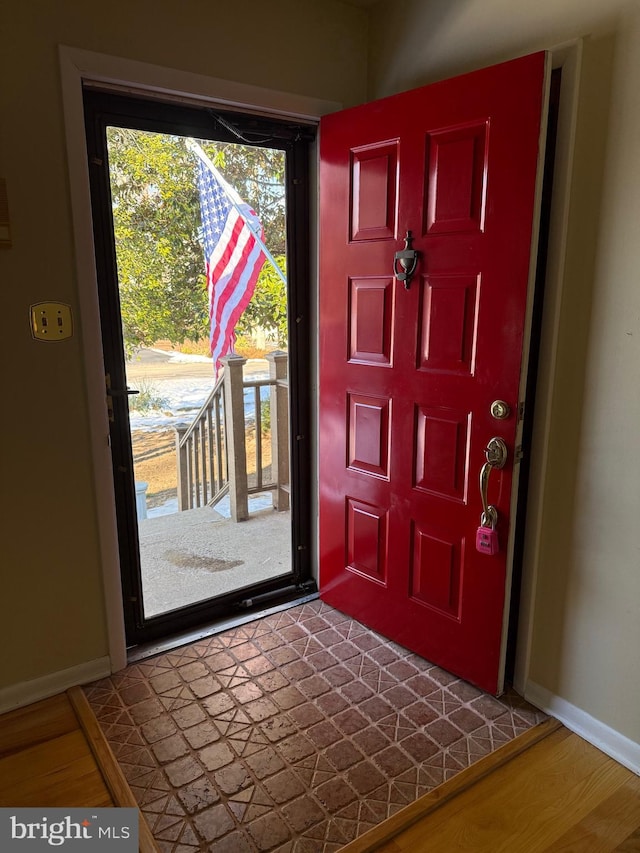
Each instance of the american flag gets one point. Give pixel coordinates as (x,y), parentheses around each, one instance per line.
(233,256)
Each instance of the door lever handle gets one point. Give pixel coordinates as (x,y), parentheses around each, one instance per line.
(115,392)
(496,454)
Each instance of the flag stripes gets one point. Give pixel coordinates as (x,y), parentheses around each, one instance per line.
(233,256)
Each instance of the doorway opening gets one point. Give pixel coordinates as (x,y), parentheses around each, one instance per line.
(212,499)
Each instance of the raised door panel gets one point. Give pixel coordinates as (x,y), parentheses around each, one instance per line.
(374,191)
(449,322)
(435,574)
(442,452)
(368,434)
(371,302)
(457,159)
(366,537)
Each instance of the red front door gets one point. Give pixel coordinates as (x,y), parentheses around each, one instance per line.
(408,376)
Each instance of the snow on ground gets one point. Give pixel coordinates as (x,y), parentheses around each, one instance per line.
(182,396)
(185,358)
(256,503)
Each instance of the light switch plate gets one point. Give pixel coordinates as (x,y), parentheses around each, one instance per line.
(51,321)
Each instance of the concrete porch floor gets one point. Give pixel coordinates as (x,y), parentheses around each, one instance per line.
(193,555)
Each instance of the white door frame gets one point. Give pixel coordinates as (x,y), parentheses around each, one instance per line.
(568,57)
(78,67)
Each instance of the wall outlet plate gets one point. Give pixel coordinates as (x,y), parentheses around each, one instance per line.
(51,321)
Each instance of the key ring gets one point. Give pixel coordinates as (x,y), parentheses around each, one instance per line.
(489,518)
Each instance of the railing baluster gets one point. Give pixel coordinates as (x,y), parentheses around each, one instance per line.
(203,461)
(212,474)
(258,408)
(218,421)
(235,436)
(196,470)
(278,369)
(190,470)
(182,473)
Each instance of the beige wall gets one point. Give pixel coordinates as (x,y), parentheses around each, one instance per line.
(52,602)
(587,606)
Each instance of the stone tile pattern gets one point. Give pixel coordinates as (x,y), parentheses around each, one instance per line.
(294,733)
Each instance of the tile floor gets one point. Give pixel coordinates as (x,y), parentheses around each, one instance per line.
(297,732)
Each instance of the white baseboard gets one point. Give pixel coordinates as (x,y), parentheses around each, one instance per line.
(621,748)
(27,692)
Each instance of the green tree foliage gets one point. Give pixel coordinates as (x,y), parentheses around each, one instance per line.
(156,216)
(268,306)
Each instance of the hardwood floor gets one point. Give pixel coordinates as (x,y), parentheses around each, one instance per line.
(45,759)
(547,790)
(53,754)
(556,793)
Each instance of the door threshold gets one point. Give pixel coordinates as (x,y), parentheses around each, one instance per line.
(157,647)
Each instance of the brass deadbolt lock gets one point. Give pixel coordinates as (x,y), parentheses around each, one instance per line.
(500,410)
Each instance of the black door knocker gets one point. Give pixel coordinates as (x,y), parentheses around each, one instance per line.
(405,262)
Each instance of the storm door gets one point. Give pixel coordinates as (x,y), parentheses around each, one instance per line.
(201,233)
